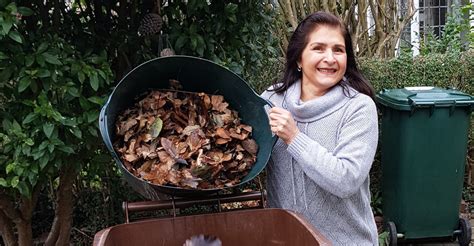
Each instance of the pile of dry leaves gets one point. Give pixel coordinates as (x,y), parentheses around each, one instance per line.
(185,139)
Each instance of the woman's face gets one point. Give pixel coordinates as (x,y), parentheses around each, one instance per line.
(323,61)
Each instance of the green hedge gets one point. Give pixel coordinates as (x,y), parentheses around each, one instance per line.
(453,70)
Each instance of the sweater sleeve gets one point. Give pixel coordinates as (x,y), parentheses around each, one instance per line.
(344,170)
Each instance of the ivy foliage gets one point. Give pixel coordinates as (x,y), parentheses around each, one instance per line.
(51,96)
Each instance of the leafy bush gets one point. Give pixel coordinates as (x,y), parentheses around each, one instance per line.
(52,94)
(451,70)
(236,34)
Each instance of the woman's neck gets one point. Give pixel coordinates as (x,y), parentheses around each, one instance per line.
(309,92)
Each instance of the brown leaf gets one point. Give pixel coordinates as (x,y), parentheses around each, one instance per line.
(194,141)
(218,103)
(221,141)
(241,136)
(250,146)
(217,120)
(126,125)
(188,180)
(146,166)
(169,147)
(221,132)
(201,145)
(189,129)
(246,127)
(171,150)
(130,157)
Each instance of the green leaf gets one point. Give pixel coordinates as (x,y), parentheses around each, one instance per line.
(43,46)
(29,60)
(66,149)
(25,11)
(43,161)
(33,177)
(232,18)
(19,170)
(194,42)
(76,131)
(40,60)
(156,127)
(73,91)
(92,116)
(6,26)
(10,167)
(11,7)
(6,74)
(24,83)
(15,36)
(93,131)
(23,188)
(52,59)
(94,82)
(96,59)
(3,182)
(85,105)
(29,142)
(231,8)
(43,145)
(96,100)
(102,74)
(48,129)
(81,76)
(180,42)
(70,122)
(43,73)
(51,148)
(3,56)
(14,182)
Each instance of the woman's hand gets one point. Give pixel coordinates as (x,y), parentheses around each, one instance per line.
(283,124)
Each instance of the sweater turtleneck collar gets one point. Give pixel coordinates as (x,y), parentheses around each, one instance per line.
(319,107)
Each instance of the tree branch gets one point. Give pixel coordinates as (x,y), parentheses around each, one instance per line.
(8,208)
(6,228)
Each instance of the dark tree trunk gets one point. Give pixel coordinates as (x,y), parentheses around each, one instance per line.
(6,228)
(61,229)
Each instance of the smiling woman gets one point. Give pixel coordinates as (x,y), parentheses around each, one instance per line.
(323,61)
(326,120)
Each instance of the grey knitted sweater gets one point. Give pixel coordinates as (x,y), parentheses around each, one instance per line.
(323,173)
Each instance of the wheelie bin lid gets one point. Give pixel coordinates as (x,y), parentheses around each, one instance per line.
(409,98)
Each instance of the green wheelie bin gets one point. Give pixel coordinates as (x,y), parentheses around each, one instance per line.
(424,134)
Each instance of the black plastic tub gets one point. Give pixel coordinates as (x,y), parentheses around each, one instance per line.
(195,75)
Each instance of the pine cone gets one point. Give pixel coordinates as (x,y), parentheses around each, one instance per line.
(150,24)
(167,52)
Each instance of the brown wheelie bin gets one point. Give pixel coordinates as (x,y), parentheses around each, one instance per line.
(244,227)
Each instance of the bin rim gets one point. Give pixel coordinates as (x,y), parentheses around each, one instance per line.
(409,98)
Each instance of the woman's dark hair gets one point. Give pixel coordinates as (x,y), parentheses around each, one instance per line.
(298,42)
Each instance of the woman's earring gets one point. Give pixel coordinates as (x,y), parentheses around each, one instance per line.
(299,69)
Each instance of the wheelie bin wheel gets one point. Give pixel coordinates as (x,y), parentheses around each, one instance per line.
(392,234)
(464,237)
